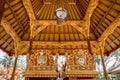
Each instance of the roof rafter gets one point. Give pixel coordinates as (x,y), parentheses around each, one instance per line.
(84,27)
(109,29)
(34,30)
(91,7)
(17,20)
(2,3)
(10,30)
(29,9)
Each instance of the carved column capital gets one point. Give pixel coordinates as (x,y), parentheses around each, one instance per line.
(95,49)
(20,48)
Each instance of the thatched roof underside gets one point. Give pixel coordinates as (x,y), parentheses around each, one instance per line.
(101,19)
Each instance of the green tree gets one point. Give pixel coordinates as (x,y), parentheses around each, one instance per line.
(6,61)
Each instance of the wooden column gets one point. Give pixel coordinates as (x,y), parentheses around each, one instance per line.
(13,72)
(66,63)
(56,59)
(89,46)
(28,61)
(30,47)
(102,58)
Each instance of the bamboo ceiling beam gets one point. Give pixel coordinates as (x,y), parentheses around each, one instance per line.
(2,3)
(17,45)
(14,14)
(107,12)
(109,29)
(29,9)
(57,44)
(91,7)
(10,30)
(6,42)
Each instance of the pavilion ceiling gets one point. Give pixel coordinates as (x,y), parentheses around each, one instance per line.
(106,12)
(104,24)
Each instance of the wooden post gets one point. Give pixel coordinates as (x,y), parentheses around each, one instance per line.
(28,61)
(56,60)
(66,63)
(103,64)
(89,46)
(13,72)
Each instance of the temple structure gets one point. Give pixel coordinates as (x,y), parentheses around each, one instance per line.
(43,30)
(79,64)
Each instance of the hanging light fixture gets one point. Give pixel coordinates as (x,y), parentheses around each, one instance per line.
(61,14)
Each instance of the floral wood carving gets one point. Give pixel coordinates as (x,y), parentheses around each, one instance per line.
(41,58)
(81,59)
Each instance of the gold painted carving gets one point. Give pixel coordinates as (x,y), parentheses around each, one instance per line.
(81,60)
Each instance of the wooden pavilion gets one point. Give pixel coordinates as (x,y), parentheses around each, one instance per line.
(30,27)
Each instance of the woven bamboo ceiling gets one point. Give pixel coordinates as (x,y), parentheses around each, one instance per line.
(23,20)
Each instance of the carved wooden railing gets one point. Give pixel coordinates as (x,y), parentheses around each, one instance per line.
(81,64)
(41,68)
(41,71)
(41,64)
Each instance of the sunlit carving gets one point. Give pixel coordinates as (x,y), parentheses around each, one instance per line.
(80,59)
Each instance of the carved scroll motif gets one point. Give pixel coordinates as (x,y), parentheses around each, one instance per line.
(41,58)
(80,59)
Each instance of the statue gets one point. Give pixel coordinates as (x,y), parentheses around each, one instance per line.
(62,72)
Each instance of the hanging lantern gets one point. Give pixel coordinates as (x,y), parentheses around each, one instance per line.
(61,15)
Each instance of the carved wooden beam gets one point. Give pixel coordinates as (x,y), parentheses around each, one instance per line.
(86,31)
(44,23)
(13,34)
(10,30)
(23,46)
(35,30)
(58,44)
(79,28)
(85,23)
(54,22)
(91,7)
(29,8)
(39,29)
(109,29)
